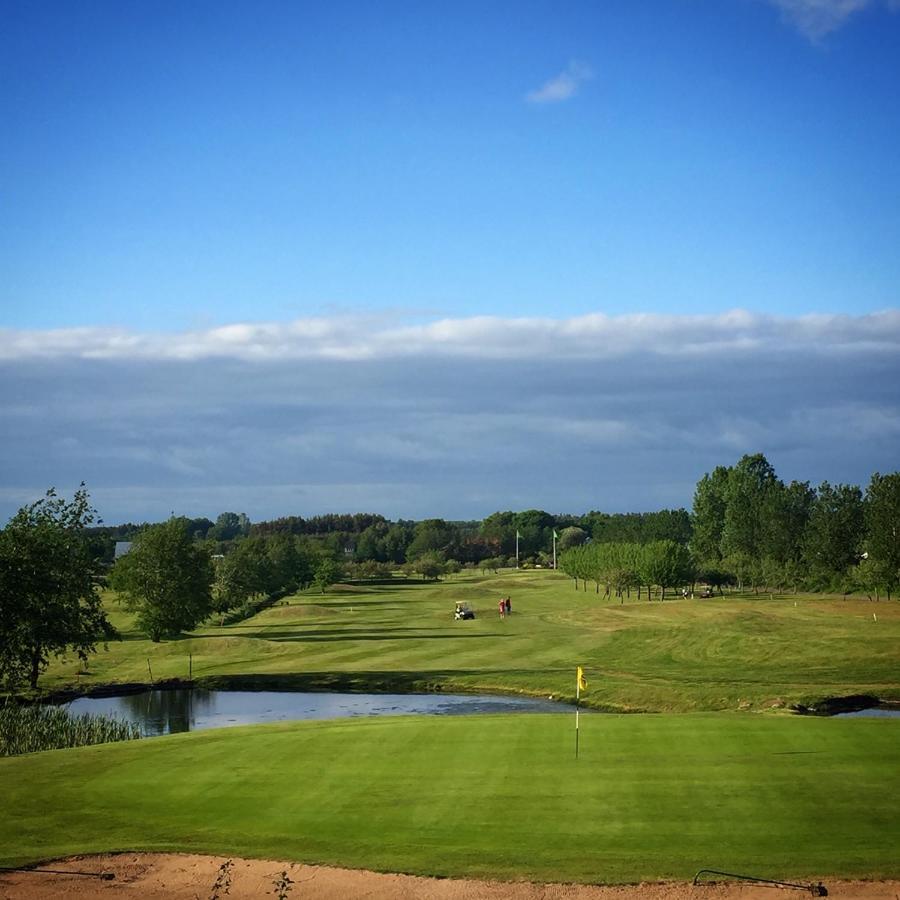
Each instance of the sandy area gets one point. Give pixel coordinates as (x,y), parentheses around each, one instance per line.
(154,876)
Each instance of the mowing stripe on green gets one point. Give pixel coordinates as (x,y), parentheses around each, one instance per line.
(651,797)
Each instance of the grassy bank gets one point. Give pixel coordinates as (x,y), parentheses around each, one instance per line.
(651,797)
(733,653)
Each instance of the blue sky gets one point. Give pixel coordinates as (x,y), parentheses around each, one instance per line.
(342,173)
(168,165)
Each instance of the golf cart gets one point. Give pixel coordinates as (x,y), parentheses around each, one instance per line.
(463,611)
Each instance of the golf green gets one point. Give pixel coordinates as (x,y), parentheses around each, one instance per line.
(650,797)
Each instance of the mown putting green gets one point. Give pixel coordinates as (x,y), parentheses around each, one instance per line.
(738,652)
(652,797)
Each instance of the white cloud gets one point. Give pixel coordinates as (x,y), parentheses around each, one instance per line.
(457,417)
(357,339)
(817,18)
(562,86)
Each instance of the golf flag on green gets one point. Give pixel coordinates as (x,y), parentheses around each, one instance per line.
(555,535)
(580,685)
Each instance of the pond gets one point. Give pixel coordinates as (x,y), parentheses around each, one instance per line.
(887,712)
(166,712)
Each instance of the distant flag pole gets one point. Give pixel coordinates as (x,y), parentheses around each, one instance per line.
(517,548)
(580,685)
(555,536)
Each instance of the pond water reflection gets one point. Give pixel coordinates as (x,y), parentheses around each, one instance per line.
(881,712)
(166,712)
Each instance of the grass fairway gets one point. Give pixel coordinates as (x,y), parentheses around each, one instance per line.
(652,797)
(723,654)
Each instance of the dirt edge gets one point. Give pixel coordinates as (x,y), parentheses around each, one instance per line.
(176,876)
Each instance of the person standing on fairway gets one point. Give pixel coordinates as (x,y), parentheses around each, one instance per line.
(502,607)
(508,606)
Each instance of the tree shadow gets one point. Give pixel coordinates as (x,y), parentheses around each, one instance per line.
(374,681)
(398,633)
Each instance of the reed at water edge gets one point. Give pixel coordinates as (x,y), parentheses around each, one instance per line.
(28,729)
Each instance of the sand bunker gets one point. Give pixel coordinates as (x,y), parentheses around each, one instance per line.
(172,876)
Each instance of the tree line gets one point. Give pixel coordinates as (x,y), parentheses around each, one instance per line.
(623,567)
(751,528)
(747,528)
(368,537)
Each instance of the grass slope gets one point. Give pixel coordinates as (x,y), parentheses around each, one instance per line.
(751,652)
(652,797)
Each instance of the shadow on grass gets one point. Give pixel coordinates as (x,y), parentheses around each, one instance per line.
(383,582)
(364,602)
(367,590)
(399,633)
(377,682)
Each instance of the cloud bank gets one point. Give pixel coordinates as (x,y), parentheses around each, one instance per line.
(452,418)
(358,338)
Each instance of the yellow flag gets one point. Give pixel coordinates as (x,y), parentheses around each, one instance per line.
(582,684)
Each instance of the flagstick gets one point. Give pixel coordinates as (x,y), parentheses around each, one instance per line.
(577,695)
(517,549)
(554,549)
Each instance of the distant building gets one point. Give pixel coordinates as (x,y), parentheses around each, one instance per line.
(122,547)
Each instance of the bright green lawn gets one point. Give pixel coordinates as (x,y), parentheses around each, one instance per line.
(652,797)
(730,653)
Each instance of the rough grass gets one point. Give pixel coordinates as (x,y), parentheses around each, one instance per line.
(651,797)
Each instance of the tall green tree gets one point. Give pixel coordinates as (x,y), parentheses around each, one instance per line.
(229,525)
(370,544)
(573,536)
(499,532)
(430,565)
(244,572)
(709,516)
(833,540)
(749,484)
(667,525)
(396,541)
(166,578)
(434,536)
(290,566)
(327,573)
(785,513)
(666,564)
(883,529)
(535,529)
(48,600)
